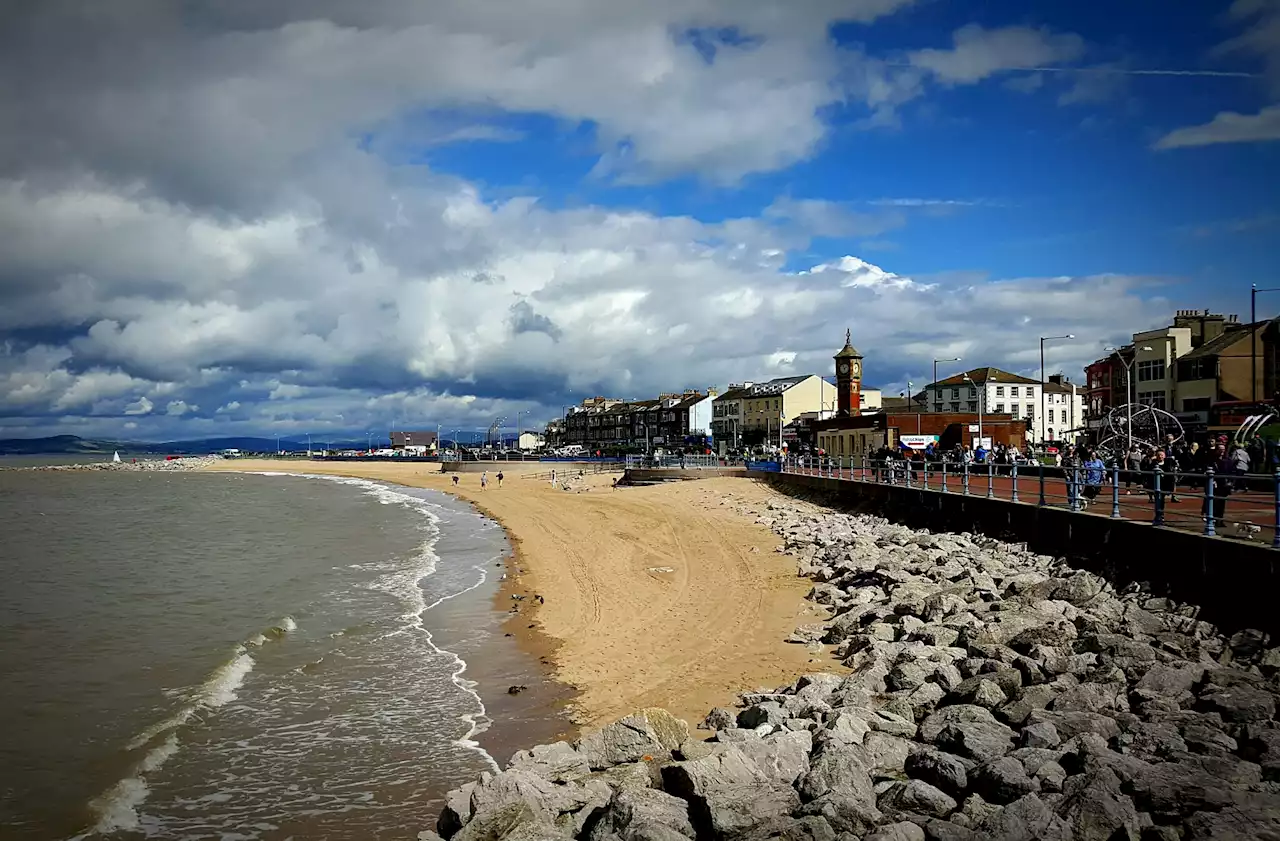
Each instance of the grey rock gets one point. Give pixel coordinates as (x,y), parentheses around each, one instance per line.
(1041,735)
(1029,698)
(905,676)
(1004,781)
(557,762)
(719,719)
(980,741)
(808,828)
(938,830)
(1026,819)
(782,758)
(1168,682)
(1051,776)
(956,714)
(651,732)
(1207,740)
(941,770)
(766,712)
(886,754)
(1234,823)
(457,810)
(1073,723)
(646,814)
(946,676)
(900,831)
(1239,704)
(843,770)
(1096,810)
(728,793)
(886,720)
(515,821)
(924,698)
(847,727)
(916,797)
(1092,697)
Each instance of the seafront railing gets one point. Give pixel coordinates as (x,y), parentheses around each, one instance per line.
(1244,505)
(686,462)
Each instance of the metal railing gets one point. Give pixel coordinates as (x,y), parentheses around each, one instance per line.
(1174,498)
(685,462)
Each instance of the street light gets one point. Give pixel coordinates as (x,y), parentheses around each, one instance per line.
(1253,341)
(984,388)
(935,372)
(1128,379)
(1044,339)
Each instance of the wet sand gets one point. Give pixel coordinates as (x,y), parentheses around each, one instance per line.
(654,596)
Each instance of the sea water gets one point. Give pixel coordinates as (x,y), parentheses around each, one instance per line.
(238,656)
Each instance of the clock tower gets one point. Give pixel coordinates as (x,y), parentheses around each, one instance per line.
(848,379)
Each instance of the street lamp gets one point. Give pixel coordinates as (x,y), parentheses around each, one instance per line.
(1044,339)
(1253,341)
(984,388)
(935,371)
(1128,379)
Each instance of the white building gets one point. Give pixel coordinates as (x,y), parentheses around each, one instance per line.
(1063,418)
(530,441)
(1055,414)
(727,413)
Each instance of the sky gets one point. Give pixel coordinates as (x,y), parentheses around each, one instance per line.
(317,216)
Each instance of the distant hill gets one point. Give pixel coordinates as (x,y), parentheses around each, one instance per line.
(71,445)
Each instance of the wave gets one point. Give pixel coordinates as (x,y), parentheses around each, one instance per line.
(117,807)
(405,584)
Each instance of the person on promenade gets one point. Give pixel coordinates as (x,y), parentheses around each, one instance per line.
(484,480)
(1224,470)
(499,478)
(1094,472)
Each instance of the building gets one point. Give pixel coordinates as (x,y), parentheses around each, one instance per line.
(769,405)
(1154,356)
(1106,387)
(727,412)
(989,391)
(860,436)
(1220,370)
(415,443)
(530,441)
(605,423)
(1063,409)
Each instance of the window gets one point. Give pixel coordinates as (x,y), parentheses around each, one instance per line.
(973,405)
(973,392)
(1204,368)
(999,391)
(999,408)
(955,406)
(937,407)
(955,393)
(775,404)
(1196,404)
(1151,370)
(1064,415)
(1151,398)
(1013,391)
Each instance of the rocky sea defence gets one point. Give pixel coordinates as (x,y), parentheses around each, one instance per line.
(993,694)
(185,463)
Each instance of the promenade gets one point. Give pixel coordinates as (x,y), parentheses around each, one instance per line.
(1250,514)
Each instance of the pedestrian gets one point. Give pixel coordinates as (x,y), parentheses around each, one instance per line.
(455,480)
(484,480)
(553,477)
(1094,471)
(1224,469)
(499,478)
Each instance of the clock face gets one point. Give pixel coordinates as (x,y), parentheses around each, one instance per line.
(857,369)
(844,367)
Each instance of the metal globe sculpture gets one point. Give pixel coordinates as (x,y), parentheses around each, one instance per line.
(1146,426)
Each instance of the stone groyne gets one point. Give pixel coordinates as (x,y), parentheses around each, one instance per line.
(187,463)
(995,694)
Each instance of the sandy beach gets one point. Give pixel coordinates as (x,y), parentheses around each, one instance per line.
(653,596)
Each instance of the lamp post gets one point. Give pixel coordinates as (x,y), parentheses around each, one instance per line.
(1253,340)
(935,370)
(1044,339)
(984,388)
(1128,380)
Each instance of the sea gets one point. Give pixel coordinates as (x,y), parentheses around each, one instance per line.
(249,656)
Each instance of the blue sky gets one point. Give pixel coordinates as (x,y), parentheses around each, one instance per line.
(318,216)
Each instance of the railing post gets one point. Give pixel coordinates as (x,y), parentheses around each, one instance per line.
(1159,518)
(1041,503)
(1073,493)
(1210,527)
(907,471)
(1013,473)
(1275,540)
(925,465)
(944,475)
(1115,491)
(991,481)
(966,478)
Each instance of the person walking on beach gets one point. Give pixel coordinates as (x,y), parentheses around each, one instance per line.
(484,480)
(499,478)
(455,480)
(553,478)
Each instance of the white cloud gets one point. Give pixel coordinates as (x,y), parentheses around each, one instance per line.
(1227,127)
(978,53)
(178,408)
(141,406)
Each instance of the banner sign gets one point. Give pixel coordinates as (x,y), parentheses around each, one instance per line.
(918,442)
(770,466)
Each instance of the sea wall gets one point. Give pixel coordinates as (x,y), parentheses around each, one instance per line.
(1233,581)
(188,463)
(995,694)
(666,474)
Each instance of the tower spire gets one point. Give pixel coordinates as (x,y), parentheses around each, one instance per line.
(848,337)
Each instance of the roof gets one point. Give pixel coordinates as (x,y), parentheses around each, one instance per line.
(1215,346)
(422,437)
(777,385)
(984,375)
(734,394)
(1059,388)
(690,401)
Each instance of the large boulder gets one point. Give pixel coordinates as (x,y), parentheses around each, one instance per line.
(652,732)
(1095,809)
(728,793)
(557,762)
(915,797)
(643,815)
(516,821)
(942,770)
